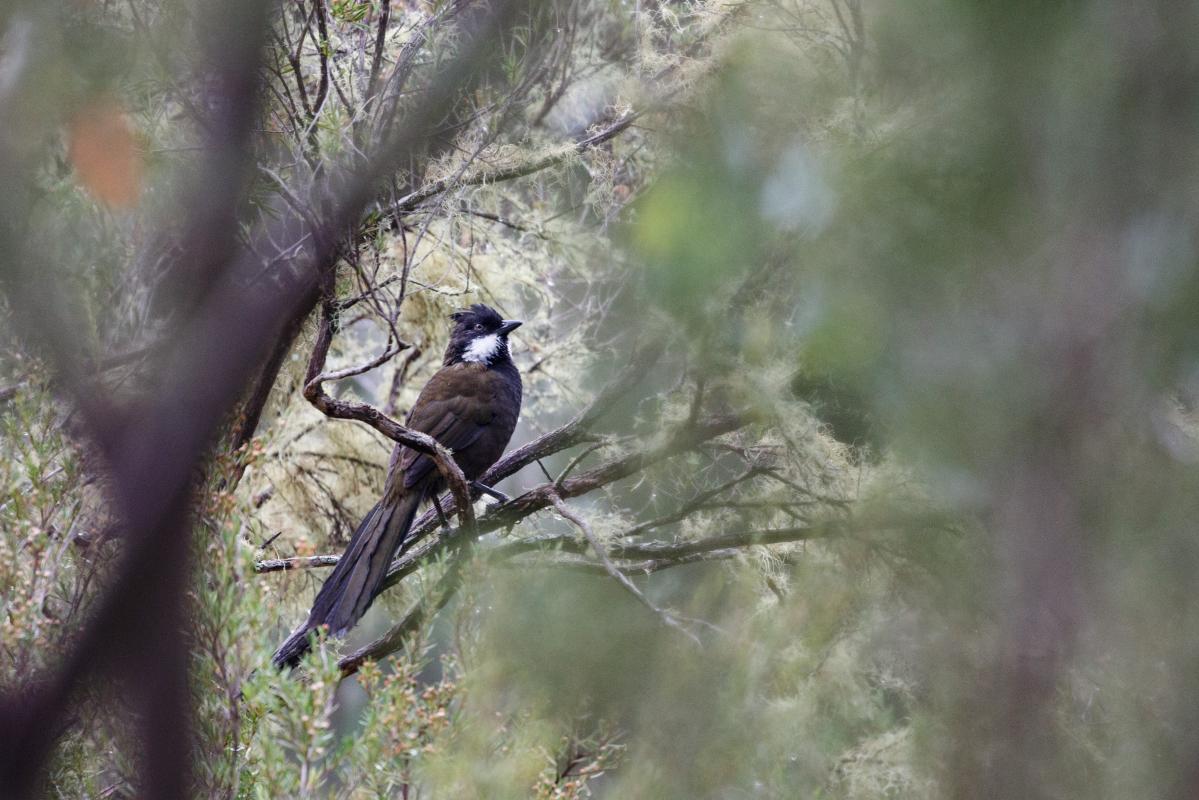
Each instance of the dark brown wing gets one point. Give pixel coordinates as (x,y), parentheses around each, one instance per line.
(456,407)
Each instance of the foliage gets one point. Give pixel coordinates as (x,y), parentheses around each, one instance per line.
(859,365)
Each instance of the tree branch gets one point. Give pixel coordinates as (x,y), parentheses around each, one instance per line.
(294,562)
(430,190)
(421,611)
(136,631)
(667,617)
(577,430)
(315,394)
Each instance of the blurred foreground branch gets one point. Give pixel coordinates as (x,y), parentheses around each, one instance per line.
(136,633)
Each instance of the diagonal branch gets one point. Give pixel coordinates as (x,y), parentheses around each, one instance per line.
(692,505)
(610,567)
(539,497)
(576,431)
(662,551)
(451,544)
(481,177)
(421,612)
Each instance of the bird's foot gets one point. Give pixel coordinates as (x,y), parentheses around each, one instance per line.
(501,498)
(445,523)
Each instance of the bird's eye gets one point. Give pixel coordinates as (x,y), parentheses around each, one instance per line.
(478,326)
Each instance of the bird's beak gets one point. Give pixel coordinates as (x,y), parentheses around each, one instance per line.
(509,325)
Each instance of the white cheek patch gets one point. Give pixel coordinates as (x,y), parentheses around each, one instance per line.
(482,349)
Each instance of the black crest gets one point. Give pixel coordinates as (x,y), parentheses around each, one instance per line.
(478,314)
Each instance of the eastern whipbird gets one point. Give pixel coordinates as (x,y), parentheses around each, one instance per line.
(470,406)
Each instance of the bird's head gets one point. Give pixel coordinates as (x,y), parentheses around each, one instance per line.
(480,335)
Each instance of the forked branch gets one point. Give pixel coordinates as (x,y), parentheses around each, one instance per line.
(314,392)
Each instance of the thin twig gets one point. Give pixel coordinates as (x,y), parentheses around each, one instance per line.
(667,617)
(430,190)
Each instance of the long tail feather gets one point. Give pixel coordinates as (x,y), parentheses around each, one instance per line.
(355,581)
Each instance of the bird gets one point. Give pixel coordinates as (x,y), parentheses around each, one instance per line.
(470,406)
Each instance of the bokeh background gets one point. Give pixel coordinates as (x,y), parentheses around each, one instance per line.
(874,329)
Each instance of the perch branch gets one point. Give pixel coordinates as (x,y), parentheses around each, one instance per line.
(576,431)
(314,393)
(294,562)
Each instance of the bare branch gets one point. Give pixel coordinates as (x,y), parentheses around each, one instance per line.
(416,617)
(667,617)
(372,83)
(647,567)
(295,562)
(430,190)
(692,505)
